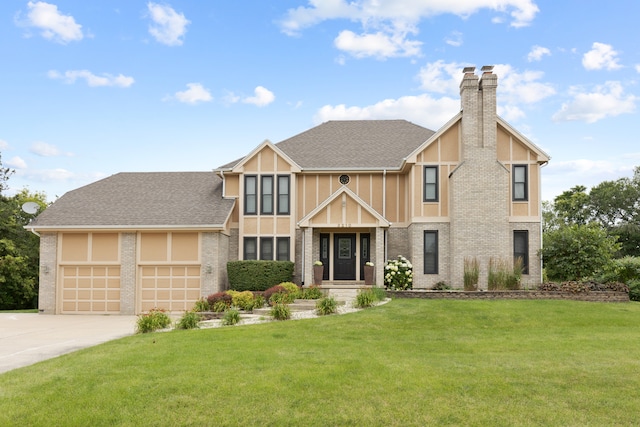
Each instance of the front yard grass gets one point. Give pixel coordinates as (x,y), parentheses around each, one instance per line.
(408,362)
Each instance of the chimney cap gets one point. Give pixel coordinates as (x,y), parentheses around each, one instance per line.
(487,69)
(468,70)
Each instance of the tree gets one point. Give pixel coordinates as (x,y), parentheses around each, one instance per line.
(577,251)
(5,173)
(615,202)
(572,206)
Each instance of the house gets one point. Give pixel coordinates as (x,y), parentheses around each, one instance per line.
(344,193)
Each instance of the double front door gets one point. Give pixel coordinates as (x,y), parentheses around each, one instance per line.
(345,254)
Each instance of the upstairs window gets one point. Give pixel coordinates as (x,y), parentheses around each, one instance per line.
(250,195)
(266,194)
(283,194)
(520,183)
(430,184)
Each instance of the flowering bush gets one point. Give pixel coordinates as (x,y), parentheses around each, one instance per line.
(398,274)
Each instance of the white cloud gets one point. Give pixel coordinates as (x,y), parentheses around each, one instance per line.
(441,77)
(400,12)
(638,68)
(194,94)
(45,150)
(92,80)
(387,24)
(521,87)
(17,162)
(423,110)
(262,97)
(379,45)
(168,27)
(54,25)
(510,113)
(3,144)
(537,52)
(601,56)
(454,39)
(606,100)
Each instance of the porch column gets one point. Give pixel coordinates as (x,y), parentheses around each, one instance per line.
(308,256)
(379,251)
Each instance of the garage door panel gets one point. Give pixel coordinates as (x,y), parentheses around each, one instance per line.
(173,288)
(90,289)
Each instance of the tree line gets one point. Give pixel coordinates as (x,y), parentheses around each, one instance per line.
(19,248)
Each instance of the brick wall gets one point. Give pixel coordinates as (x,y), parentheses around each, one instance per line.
(128,272)
(48,273)
(416,237)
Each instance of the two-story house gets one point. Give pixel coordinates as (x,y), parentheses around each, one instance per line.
(344,193)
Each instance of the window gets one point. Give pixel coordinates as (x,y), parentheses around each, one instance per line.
(520,186)
(250,195)
(430,252)
(282,248)
(430,184)
(266,194)
(521,249)
(250,248)
(266,248)
(283,195)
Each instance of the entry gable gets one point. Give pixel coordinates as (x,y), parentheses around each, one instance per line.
(343,208)
(250,162)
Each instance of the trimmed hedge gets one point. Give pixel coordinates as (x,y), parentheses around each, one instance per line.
(258,275)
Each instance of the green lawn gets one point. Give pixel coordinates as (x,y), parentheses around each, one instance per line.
(408,362)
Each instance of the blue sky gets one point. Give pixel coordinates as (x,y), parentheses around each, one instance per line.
(92,88)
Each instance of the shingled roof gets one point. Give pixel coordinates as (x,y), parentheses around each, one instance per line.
(142,200)
(354,144)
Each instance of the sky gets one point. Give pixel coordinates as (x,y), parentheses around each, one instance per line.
(92,88)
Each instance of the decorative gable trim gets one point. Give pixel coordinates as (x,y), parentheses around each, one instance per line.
(412,158)
(238,167)
(308,219)
(542,156)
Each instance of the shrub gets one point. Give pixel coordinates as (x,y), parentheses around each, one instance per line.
(364,299)
(219,301)
(281,312)
(231,317)
(258,301)
(312,292)
(503,275)
(621,270)
(189,320)
(634,290)
(471,274)
(576,251)
(269,293)
(378,293)
(155,319)
(292,289)
(242,300)
(258,275)
(398,274)
(326,306)
(202,305)
(441,286)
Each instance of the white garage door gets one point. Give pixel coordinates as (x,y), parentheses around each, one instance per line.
(91,289)
(172,288)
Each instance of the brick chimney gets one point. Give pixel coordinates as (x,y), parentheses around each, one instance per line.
(478,103)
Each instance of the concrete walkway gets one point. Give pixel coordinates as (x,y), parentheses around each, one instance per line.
(28,338)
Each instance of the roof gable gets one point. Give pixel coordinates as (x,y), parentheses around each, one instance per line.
(266,144)
(344,207)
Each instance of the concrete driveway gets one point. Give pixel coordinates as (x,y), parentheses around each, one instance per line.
(27,338)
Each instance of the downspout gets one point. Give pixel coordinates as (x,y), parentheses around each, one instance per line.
(33,231)
(302,262)
(384,211)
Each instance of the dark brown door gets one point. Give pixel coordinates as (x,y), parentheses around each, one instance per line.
(344,259)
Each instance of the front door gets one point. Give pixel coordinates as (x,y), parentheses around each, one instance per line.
(344,259)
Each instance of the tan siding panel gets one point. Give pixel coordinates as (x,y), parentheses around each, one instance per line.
(504,145)
(104,247)
(75,247)
(184,247)
(153,247)
(449,145)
